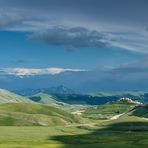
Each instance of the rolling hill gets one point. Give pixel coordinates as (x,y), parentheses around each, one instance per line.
(140,111)
(7,97)
(44,98)
(108,110)
(28,114)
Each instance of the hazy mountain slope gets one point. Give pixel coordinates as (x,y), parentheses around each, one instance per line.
(135,95)
(35,114)
(51,90)
(99,98)
(7,96)
(63,94)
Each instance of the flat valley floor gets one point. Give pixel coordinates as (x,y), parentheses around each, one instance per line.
(102,136)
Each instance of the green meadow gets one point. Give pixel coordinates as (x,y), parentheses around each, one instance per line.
(130,132)
(27,124)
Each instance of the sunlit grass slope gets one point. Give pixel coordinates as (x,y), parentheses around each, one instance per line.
(7,97)
(109,110)
(20,114)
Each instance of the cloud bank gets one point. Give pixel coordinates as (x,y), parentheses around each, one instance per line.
(22,72)
(120,78)
(78,37)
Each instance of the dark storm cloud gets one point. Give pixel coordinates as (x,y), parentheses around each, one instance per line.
(11,17)
(77,37)
(117,18)
(125,11)
(121,24)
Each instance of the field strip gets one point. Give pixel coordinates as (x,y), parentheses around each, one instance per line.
(116,117)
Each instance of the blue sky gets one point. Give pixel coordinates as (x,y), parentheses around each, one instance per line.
(18,51)
(101,45)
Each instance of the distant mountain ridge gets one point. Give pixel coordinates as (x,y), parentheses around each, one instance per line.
(67,96)
(51,90)
(44,109)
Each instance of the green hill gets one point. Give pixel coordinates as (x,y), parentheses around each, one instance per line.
(43,98)
(109,110)
(8,97)
(20,114)
(140,111)
(47,99)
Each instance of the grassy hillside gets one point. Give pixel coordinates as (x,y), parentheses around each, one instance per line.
(7,97)
(108,110)
(35,125)
(121,135)
(44,98)
(127,131)
(20,114)
(140,111)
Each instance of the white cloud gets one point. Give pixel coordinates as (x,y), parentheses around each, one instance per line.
(134,42)
(22,72)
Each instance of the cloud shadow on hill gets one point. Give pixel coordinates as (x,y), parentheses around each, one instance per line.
(121,135)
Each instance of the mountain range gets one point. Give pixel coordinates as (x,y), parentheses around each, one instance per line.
(69,96)
(51,90)
(43,109)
